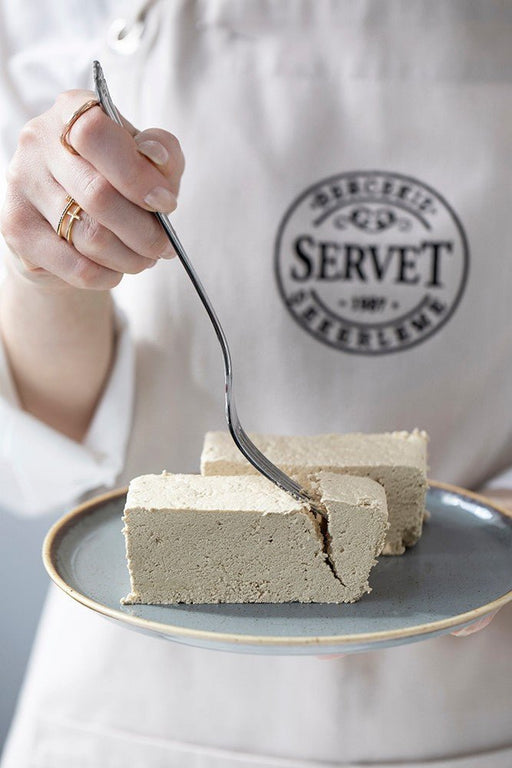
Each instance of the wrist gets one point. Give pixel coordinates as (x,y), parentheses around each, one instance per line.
(42,291)
(60,344)
(24,278)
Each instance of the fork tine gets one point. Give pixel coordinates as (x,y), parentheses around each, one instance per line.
(273,472)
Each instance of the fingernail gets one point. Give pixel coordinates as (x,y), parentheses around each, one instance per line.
(160,199)
(156,152)
(168,252)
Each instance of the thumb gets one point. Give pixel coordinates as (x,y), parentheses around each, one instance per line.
(164,151)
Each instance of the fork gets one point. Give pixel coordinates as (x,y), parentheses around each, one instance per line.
(240,437)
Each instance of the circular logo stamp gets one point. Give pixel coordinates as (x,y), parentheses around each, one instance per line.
(371,262)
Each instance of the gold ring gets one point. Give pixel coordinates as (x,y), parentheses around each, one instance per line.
(73,210)
(72,120)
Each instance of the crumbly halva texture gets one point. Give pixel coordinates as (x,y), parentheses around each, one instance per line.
(396,460)
(195,539)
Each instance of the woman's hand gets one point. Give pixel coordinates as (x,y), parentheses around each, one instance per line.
(118,176)
(56,313)
(502,497)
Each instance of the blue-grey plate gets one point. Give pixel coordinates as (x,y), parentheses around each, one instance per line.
(460,571)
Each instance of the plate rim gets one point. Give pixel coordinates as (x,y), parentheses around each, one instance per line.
(60,527)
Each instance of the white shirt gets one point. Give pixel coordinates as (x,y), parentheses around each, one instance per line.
(346,205)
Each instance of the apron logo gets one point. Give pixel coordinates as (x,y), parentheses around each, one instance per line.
(371,262)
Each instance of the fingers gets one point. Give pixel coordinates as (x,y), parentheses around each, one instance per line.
(111,230)
(144,170)
(34,260)
(137,229)
(143,238)
(163,149)
(100,245)
(500,496)
(475,626)
(113,152)
(118,177)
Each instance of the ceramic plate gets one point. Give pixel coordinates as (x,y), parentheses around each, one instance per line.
(459,571)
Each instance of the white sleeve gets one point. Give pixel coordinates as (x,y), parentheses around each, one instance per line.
(41,470)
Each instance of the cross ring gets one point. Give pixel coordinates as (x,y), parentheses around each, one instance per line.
(71,210)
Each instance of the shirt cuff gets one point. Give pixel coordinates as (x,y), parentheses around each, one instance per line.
(43,471)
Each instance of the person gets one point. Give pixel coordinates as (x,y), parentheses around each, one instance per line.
(345,202)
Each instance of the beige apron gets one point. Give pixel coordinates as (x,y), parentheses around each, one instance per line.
(282,108)
(346,202)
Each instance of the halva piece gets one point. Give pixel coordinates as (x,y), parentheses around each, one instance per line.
(396,460)
(222,539)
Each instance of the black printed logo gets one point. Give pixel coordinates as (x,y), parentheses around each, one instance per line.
(371,262)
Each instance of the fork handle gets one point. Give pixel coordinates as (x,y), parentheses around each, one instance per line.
(196,282)
(111,110)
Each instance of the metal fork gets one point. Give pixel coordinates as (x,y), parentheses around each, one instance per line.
(244,443)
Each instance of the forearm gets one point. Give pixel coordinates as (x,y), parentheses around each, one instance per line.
(60,344)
